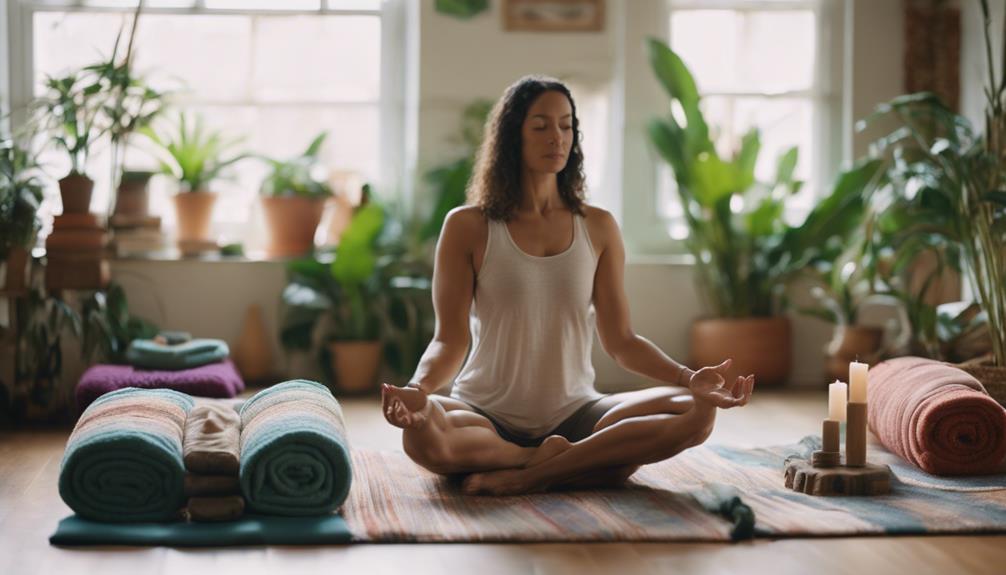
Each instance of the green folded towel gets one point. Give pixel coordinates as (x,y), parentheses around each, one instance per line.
(123,460)
(294,456)
(149,354)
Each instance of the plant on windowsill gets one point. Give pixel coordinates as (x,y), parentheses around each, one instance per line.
(745,253)
(20,196)
(70,112)
(950,179)
(293,200)
(195,157)
(341,303)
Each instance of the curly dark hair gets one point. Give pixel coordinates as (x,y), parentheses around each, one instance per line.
(495,183)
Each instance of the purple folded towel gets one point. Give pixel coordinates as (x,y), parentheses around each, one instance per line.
(211,380)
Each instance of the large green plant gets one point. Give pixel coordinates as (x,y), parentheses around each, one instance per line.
(744,251)
(298,176)
(20,196)
(950,186)
(192,154)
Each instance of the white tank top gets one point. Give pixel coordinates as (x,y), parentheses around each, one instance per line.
(532,324)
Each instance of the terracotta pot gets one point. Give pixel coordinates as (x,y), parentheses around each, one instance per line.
(991,376)
(852,343)
(355,364)
(759,346)
(16,266)
(195,214)
(132,198)
(292,222)
(75,191)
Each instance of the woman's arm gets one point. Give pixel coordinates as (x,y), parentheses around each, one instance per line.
(453,289)
(630,351)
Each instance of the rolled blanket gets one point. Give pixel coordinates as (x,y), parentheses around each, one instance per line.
(294,455)
(212,435)
(214,380)
(149,354)
(936,416)
(123,460)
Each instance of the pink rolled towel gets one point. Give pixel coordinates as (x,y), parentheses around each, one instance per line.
(936,416)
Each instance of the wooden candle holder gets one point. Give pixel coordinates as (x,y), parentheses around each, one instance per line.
(868,479)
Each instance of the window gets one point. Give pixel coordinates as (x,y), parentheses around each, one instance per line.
(274,73)
(759,63)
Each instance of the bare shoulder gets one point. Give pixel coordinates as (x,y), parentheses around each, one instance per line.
(601,226)
(465,226)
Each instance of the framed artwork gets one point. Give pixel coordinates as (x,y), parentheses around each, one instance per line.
(553,15)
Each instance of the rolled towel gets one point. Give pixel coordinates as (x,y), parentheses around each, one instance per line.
(212,437)
(213,509)
(150,354)
(218,380)
(294,455)
(936,416)
(123,460)
(210,485)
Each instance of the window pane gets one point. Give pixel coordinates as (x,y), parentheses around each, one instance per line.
(312,58)
(733,51)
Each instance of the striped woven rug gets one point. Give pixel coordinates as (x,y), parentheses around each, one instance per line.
(394,500)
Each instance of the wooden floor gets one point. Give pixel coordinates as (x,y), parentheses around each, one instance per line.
(30,508)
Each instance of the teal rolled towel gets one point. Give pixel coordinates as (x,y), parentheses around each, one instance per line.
(294,456)
(149,354)
(123,460)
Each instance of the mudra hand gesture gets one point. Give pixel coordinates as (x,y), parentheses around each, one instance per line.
(709,385)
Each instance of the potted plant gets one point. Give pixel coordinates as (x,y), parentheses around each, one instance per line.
(341,303)
(744,251)
(70,111)
(195,157)
(20,196)
(293,200)
(108,328)
(949,180)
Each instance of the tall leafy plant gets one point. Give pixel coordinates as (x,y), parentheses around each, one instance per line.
(109,328)
(298,176)
(950,184)
(744,250)
(20,196)
(70,111)
(191,153)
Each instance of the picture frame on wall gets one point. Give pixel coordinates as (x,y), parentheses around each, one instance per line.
(553,15)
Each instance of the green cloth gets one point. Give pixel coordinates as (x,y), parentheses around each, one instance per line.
(148,354)
(123,460)
(249,530)
(725,500)
(294,455)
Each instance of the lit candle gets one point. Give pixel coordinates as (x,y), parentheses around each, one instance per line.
(857,382)
(836,401)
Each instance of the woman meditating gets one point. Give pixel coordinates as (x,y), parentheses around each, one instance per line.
(532,264)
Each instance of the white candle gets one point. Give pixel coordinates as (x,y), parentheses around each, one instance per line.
(836,400)
(857,382)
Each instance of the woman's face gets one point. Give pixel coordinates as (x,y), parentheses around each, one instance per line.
(547,133)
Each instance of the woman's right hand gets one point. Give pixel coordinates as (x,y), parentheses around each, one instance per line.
(404,407)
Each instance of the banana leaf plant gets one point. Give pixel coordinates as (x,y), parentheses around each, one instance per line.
(192,154)
(744,250)
(950,185)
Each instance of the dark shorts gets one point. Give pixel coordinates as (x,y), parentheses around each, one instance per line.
(574,428)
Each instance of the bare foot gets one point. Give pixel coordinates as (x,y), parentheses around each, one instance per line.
(552,446)
(503,482)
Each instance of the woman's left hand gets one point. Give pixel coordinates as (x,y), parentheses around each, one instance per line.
(709,385)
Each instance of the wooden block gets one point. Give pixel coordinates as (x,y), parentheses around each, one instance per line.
(870,479)
(829,436)
(855,434)
(76,222)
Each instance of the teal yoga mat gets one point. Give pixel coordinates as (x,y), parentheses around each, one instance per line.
(249,530)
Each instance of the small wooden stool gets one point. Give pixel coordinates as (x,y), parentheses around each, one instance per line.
(870,479)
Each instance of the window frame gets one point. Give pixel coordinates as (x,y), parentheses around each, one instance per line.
(393,102)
